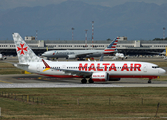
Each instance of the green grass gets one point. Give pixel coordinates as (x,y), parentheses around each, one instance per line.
(85,103)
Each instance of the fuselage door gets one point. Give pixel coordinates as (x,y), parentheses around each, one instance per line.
(145,68)
(64,67)
(38,67)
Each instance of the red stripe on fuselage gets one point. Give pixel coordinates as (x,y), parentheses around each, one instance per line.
(111,76)
(133,76)
(62,76)
(98,80)
(109,50)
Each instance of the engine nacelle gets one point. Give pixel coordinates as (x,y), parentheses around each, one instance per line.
(114,79)
(100,76)
(71,56)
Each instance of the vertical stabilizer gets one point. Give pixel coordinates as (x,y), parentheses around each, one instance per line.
(24,52)
(112,47)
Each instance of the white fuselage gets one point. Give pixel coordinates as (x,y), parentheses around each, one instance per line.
(73,53)
(115,69)
(119,55)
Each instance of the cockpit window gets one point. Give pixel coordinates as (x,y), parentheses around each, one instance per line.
(155,66)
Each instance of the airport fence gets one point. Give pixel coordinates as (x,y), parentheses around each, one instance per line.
(24,98)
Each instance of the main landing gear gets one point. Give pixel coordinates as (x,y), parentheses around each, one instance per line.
(91,81)
(149,81)
(84,81)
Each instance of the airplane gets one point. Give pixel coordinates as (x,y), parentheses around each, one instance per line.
(119,55)
(163,53)
(159,53)
(95,71)
(2,57)
(72,54)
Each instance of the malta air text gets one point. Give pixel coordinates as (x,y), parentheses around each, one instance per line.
(109,67)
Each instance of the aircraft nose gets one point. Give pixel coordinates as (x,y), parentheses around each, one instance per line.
(43,54)
(162,71)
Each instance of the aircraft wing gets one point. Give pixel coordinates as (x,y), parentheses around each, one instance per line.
(101,58)
(68,71)
(22,64)
(18,64)
(75,72)
(83,54)
(89,53)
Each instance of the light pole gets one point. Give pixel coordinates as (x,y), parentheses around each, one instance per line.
(72,33)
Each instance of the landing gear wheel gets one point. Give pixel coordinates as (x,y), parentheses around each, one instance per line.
(83,81)
(149,81)
(91,81)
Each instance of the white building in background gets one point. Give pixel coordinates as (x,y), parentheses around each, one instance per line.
(123,38)
(123,46)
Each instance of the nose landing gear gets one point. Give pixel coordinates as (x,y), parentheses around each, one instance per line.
(149,81)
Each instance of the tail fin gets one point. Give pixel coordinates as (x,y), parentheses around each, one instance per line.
(112,46)
(24,52)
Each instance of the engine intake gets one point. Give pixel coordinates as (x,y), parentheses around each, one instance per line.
(71,56)
(100,76)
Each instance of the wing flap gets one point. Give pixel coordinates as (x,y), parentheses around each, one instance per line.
(75,72)
(23,64)
(18,64)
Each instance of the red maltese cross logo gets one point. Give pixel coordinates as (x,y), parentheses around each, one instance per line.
(22,52)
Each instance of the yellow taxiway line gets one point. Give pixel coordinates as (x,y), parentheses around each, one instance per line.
(5,82)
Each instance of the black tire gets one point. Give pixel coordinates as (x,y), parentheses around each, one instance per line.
(84,81)
(91,81)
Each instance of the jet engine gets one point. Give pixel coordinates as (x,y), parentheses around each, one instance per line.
(100,76)
(71,56)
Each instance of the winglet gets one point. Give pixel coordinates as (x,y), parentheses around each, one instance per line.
(46,65)
(101,58)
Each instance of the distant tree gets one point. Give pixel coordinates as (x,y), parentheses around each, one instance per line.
(159,39)
(108,39)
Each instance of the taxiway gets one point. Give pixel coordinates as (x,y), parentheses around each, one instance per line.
(37,81)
